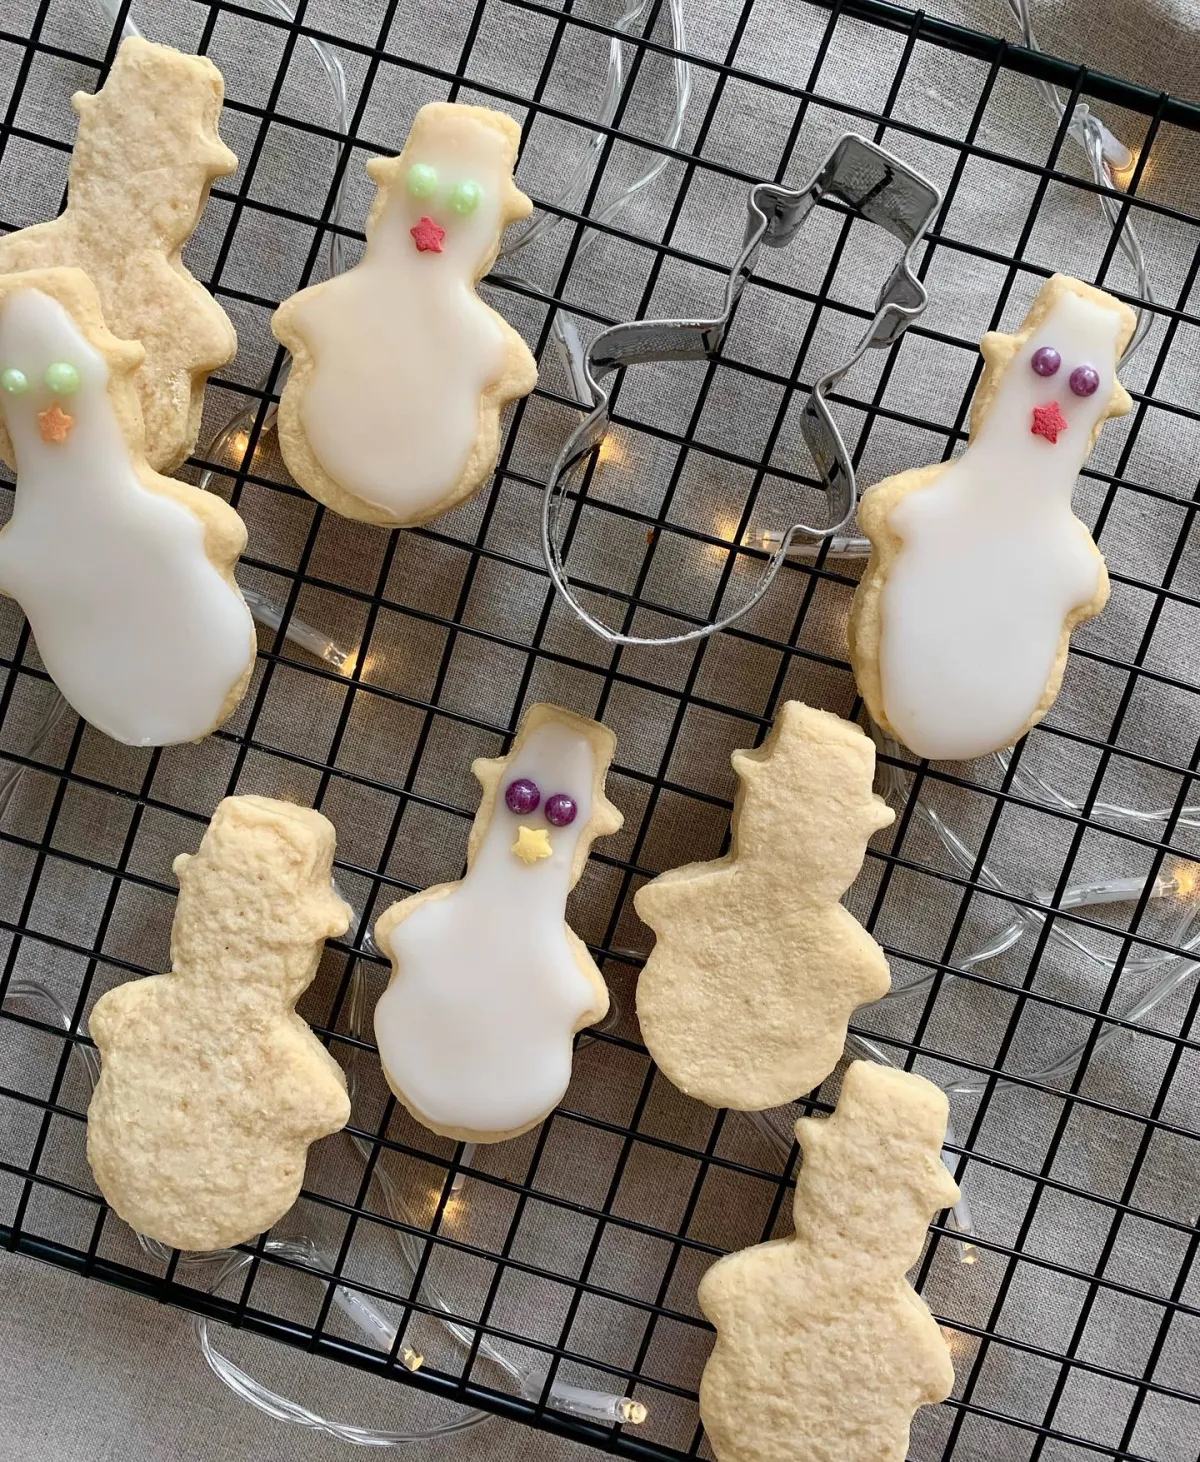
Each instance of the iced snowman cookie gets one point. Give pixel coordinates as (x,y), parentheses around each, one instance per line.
(488,982)
(211,1086)
(824,1352)
(126,577)
(145,157)
(757,967)
(391,412)
(979,570)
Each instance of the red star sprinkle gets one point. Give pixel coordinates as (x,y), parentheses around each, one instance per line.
(1048,421)
(427,236)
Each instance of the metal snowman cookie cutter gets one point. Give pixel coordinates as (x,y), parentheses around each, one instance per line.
(877,187)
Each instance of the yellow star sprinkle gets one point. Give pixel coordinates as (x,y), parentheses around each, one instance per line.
(532,843)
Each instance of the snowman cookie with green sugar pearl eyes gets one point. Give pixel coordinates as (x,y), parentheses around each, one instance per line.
(126,576)
(391,411)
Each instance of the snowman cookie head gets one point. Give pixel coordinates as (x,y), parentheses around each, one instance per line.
(884,1141)
(814,768)
(544,802)
(1056,379)
(451,190)
(151,180)
(57,361)
(257,897)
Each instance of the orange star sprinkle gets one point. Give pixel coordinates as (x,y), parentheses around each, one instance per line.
(55,424)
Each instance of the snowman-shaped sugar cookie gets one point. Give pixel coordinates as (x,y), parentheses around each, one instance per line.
(979,570)
(145,158)
(391,411)
(488,982)
(126,576)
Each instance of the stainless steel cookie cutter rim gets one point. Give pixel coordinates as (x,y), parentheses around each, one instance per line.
(891,195)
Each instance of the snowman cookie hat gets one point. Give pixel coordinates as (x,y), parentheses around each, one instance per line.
(979,569)
(391,411)
(126,576)
(144,160)
(489,984)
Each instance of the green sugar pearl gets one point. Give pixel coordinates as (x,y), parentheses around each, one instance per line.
(62,378)
(13,382)
(421,180)
(465,197)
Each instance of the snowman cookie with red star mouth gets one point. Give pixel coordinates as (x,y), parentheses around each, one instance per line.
(979,569)
(391,411)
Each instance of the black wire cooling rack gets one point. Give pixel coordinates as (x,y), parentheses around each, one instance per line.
(1075,1331)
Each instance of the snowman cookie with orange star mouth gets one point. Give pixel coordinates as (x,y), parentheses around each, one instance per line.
(979,569)
(126,576)
(391,411)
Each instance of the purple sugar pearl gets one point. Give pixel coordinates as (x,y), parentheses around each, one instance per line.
(522,797)
(560,810)
(1046,361)
(1084,380)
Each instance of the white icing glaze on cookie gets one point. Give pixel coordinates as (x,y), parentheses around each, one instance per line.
(993,560)
(136,626)
(475,1029)
(402,347)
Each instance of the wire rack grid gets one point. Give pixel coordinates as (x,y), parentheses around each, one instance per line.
(575,1251)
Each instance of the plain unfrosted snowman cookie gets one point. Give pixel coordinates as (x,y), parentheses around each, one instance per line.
(391,411)
(144,160)
(979,570)
(126,576)
(757,967)
(211,1086)
(824,1352)
(489,983)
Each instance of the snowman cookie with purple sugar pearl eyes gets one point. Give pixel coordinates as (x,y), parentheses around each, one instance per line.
(489,984)
(391,412)
(979,570)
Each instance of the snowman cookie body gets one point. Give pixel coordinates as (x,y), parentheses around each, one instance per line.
(489,983)
(979,568)
(126,577)
(391,409)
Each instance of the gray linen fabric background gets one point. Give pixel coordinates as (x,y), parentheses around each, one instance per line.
(88,1373)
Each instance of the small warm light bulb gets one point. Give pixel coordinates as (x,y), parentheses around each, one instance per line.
(1123,176)
(239,443)
(1186,877)
(632,1412)
(612,451)
(413,1359)
(968,1254)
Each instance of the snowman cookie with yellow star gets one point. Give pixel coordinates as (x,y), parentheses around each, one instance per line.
(391,411)
(126,576)
(489,983)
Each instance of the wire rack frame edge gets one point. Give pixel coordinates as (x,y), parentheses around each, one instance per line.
(966,1410)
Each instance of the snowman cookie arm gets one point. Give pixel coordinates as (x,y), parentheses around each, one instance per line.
(865,628)
(516,377)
